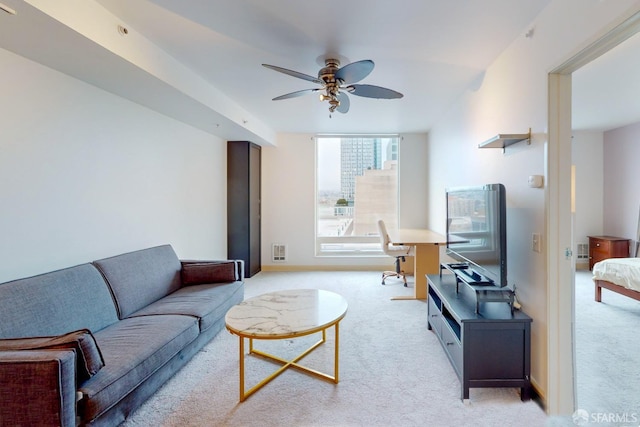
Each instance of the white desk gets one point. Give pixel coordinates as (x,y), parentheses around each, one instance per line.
(427,255)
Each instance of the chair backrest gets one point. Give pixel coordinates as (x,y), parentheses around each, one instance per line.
(392,250)
(384,237)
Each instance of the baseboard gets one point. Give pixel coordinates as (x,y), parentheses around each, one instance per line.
(537,395)
(322,268)
(582,265)
(372,264)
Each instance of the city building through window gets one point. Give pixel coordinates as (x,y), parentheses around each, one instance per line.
(357,184)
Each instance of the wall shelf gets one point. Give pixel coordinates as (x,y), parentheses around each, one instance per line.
(503,140)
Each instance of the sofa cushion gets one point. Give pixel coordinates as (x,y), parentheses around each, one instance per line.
(139,278)
(133,350)
(88,356)
(56,303)
(208,302)
(197,273)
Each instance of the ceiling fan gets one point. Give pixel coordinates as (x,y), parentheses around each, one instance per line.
(337,82)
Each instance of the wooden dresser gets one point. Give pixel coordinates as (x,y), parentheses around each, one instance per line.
(603,247)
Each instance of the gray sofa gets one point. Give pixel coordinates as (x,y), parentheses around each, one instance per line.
(89,344)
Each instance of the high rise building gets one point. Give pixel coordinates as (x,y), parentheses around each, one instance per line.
(377,198)
(356,156)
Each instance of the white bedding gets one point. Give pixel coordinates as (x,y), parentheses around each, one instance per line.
(624,272)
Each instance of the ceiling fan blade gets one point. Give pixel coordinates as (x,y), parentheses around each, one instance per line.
(370,91)
(355,71)
(344,102)
(294,73)
(295,94)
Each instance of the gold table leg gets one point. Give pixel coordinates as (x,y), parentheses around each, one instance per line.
(288,363)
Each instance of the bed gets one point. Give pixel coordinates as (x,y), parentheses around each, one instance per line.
(621,275)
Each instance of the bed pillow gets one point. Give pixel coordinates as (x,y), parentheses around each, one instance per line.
(196,273)
(89,359)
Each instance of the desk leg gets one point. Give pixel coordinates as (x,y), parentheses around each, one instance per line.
(426,261)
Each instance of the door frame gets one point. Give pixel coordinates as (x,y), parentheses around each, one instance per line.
(561,393)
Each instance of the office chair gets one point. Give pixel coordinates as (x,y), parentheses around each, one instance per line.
(398,252)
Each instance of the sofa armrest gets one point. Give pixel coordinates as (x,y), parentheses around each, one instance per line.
(240,267)
(211,271)
(37,387)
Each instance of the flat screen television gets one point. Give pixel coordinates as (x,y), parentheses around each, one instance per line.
(477,233)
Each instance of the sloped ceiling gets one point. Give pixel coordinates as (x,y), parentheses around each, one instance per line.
(431,51)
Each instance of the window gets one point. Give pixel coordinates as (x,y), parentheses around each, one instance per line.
(356,184)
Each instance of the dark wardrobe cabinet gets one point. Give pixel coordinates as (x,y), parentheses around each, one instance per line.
(243,204)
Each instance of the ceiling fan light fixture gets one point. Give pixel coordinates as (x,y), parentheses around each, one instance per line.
(334,103)
(333,79)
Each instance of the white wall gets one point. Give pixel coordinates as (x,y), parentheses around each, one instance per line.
(288,199)
(511,98)
(622,195)
(85,174)
(587,156)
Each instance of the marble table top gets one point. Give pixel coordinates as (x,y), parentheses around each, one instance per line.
(285,314)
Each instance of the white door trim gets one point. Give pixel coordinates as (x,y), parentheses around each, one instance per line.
(561,394)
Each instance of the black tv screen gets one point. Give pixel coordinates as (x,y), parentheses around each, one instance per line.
(477,230)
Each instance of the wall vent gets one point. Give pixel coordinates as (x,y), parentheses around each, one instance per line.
(583,251)
(279,252)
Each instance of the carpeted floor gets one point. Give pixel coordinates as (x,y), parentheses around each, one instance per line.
(607,350)
(393,372)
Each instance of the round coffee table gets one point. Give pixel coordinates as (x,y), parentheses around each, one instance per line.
(285,315)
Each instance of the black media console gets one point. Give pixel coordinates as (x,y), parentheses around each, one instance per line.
(489,347)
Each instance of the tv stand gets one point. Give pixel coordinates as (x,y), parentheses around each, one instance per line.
(485,288)
(491,349)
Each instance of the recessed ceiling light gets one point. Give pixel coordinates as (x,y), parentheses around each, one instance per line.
(7,9)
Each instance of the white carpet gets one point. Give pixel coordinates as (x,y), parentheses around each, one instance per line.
(607,350)
(393,372)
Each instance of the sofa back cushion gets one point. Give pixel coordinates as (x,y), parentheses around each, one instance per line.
(197,273)
(56,303)
(139,278)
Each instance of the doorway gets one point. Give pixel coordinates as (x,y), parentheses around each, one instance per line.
(562,397)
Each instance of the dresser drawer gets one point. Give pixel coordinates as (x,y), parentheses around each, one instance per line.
(604,247)
(600,246)
(435,318)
